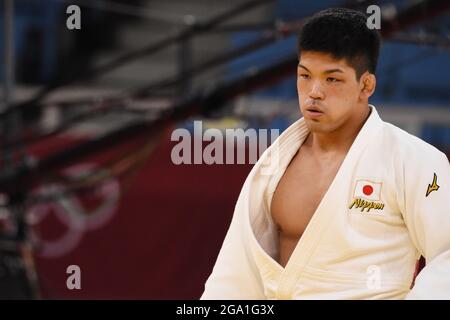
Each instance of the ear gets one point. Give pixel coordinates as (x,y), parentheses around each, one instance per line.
(367,84)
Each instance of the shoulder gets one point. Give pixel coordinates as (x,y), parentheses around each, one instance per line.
(410,149)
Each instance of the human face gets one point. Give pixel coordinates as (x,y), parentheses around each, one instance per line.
(328,91)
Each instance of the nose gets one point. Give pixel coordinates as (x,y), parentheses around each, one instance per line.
(316,91)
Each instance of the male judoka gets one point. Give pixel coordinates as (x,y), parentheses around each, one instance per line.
(343,204)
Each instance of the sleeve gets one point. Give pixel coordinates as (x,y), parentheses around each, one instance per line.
(427,216)
(235,275)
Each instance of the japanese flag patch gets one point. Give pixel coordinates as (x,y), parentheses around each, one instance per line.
(369,190)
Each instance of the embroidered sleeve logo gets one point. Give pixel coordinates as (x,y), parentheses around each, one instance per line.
(433,186)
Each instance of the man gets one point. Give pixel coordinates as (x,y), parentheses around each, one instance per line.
(348,203)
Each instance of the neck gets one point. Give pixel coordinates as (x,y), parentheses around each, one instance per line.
(339,140)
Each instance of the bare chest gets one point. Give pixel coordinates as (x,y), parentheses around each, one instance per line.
(299,193)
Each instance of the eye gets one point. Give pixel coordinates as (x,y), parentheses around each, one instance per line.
(331,79)
(304,76)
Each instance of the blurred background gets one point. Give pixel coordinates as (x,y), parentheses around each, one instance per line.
(86,117)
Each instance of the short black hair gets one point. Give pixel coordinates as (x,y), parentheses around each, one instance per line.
(343,33)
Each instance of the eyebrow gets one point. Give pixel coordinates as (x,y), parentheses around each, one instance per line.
(325,72)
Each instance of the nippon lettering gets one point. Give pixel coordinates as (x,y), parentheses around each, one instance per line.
(364,204)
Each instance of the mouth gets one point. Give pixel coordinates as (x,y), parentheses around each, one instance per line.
(313,112)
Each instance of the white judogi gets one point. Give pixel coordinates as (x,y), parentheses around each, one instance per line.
(381,212)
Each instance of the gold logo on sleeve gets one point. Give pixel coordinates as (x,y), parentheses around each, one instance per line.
(432,187)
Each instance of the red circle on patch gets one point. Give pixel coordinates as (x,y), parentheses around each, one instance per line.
(367,190)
